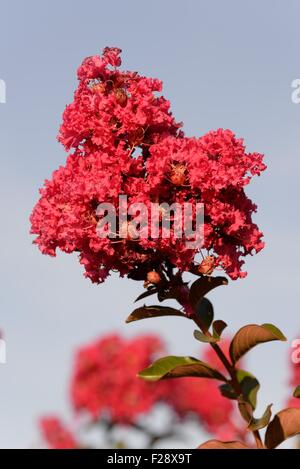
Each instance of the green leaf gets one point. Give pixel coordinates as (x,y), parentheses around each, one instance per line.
(284,425)
(251,335)
(162,367)
(257,424)
(228,391)
(204,338)
(249,386)
(178,367)
(202,286)
(297,392)
(218,328)
(153,312)
(277,332)
(216,444)
(254,423)
(205,313)
(150,291)
(245,410)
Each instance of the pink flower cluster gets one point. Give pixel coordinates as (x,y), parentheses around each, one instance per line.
(214,170)
(115,110)
(105,385)
(105,378)
(56,434)
(124,140)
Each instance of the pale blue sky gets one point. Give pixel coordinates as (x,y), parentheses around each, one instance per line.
(224,64)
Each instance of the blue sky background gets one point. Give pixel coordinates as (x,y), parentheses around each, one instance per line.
(224,64)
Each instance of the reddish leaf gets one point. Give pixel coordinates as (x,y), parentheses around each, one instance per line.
(178,367)
(153,312)
(204,285)
(254,424)
(197,370)
(205,313)
(251,335)
(284,425)
(149,292)
(216,444)
(218,327)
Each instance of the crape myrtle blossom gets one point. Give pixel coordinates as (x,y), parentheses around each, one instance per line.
(215,168)
(105,378)
(105,382)
(56,434)
(124,140)
(105,388)
(115,109)
(127,151)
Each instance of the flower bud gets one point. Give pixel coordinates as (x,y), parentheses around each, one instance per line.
(99,87)
(178,174)
(121,97)
(153,277)
(207,265)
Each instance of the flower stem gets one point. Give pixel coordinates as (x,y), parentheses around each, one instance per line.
(230,367)
(232,372)
(257,437)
